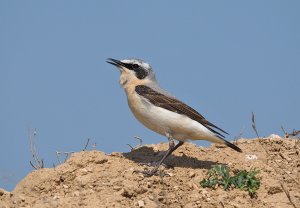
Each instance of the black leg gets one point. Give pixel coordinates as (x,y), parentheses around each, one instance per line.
(171,149)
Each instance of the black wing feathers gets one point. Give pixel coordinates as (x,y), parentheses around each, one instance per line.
(174,105)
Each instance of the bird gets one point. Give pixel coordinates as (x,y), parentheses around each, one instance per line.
(160,111)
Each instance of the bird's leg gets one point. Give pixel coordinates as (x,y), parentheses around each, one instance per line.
(171,142)
(172,148)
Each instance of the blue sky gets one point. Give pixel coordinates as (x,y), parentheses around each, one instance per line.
(224,58)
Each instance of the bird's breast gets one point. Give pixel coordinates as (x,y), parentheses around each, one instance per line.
(146,113)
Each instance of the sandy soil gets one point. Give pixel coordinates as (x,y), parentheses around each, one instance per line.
(96,179)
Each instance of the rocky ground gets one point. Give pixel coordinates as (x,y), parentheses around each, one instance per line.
(96,179)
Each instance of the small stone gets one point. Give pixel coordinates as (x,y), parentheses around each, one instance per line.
(84,171)
(160,198)
(141,190)
(65,186)
(141,203)
(141,176)
(101,161)
(269,169)
(189,205)
(250,157)
(76,193)
(127,193)
(202,149)
(3,192)
(192,174)
(56,197)
(170,174)
(22,198)
(274,136)
(117,188)
(149,185)
(116,154)
(204,192)
(274,190)
(195,186)
(190,184)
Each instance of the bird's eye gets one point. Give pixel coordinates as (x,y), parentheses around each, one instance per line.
(135,66)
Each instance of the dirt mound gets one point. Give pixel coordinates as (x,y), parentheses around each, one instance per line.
(96,179)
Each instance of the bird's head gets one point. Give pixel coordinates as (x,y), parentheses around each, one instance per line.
(133,70)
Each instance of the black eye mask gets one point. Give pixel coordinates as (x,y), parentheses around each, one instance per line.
(140,72)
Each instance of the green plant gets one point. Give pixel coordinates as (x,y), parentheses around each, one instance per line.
(220,175)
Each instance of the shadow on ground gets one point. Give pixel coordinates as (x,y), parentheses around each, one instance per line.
(146,154)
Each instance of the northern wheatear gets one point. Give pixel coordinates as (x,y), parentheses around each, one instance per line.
(161,112)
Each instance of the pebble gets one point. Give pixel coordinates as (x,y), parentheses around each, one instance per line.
(195,186)
(170,174)
(101,161)
(22,198)
(117,188)
(55,197)
(204,192)
(274,189)
(141,203)
(160,198)
(115,154)
(189,205)
(149,185)
(269,169)
(202,149)
(2,192)
(250,157)
(141,190)
(76,193)
(192,174)
(126,192)
(84,171)
(274,136)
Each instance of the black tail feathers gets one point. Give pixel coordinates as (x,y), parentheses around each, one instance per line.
(236,148)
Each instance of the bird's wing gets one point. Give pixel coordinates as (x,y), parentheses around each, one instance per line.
(172,104)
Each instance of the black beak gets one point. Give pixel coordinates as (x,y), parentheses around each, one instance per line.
(115,62)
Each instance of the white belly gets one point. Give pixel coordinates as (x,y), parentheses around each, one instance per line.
(165,122)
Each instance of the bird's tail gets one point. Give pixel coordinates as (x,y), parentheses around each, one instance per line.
(236,148)
(218,139)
